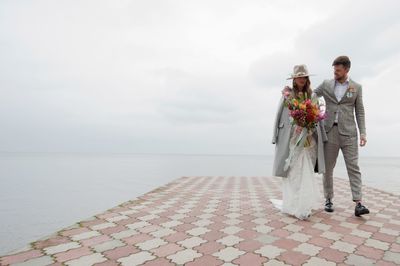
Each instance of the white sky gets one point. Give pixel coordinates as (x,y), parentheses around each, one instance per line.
(184,76)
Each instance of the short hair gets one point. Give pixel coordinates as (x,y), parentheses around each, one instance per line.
(342,60)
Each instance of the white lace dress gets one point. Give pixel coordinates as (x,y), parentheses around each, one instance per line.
(300,191)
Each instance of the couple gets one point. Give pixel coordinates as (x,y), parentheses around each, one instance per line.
(339,98)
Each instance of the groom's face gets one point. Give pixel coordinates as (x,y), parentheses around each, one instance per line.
(340,72)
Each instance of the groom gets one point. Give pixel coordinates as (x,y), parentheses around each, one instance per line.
(343,96)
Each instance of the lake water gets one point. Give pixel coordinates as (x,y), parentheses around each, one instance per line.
(41,193)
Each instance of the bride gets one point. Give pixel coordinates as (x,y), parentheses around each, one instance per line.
(296,163)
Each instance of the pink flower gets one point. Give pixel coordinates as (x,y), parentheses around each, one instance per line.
(286,92)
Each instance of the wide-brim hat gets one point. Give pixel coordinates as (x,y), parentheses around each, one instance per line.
(300,71)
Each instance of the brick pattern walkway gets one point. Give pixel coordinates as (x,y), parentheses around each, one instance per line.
(225,221)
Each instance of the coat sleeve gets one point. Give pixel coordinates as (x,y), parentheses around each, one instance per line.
(319,90)
(277,121)
(360,112)
(320,124)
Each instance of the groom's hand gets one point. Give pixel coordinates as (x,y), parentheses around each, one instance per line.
(363,140)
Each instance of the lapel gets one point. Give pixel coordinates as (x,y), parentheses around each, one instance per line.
(345,94)
(331,89)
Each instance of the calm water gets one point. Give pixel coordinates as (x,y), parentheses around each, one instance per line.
(42,193)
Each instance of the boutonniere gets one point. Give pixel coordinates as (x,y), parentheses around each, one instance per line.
(350,91)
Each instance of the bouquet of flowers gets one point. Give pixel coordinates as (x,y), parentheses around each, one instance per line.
(305,114)
(304,111)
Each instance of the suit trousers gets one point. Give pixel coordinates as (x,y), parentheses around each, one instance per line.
(349,147)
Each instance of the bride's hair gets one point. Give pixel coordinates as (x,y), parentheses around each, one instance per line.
(307,88)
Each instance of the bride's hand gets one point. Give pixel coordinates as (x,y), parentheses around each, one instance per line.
(286,91)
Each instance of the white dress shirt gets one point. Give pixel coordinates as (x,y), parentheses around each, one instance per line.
(340,90)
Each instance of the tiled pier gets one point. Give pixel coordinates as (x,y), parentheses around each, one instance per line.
(225,221)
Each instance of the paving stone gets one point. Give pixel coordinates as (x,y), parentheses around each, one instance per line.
(223,221)
(86,260)
(359,260)
(136,259)
(228,254)
(184,256)
(40,261)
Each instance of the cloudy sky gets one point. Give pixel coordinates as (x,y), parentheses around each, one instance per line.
(184,76)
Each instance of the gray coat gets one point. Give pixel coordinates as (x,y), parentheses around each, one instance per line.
(281,138)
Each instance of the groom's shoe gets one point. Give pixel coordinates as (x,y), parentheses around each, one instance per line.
(329,205)
(360,210)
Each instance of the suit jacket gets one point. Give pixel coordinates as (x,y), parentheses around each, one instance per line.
(345,108)
(281,139)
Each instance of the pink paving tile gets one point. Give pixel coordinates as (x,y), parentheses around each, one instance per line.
(72,254)
(392,226)
(368,228)
(189,219)
(160,220)
(206,260)
(248,218)
(355,220)
(159,262)
(166,250)
(75,231)
(92,222)
(276,224)
(287,244)
(311,231)
(332,255)
(107,263)
(249,245)
(107,215)
(303,223)
(150,228)
(19,257)
(217,226)
(340,229)
(137,238)
(384,237)
(53,241)
(369,252)
(116,253)
(321,242)
(385,263)
(395,248)
(219,219)
(250,259)
(247,234)
(209,247)
(281,233)
(127,221)
(94,240)
(378,219)
(184,227)
(113,229)
(247,224)
(355,240)
(293,257)
(213,235)
(175,237)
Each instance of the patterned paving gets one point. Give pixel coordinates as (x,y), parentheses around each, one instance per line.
(224,221)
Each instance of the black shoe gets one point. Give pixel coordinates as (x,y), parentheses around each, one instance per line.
(360,210)
(329,205)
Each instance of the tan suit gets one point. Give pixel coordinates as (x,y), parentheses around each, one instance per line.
(343,136)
